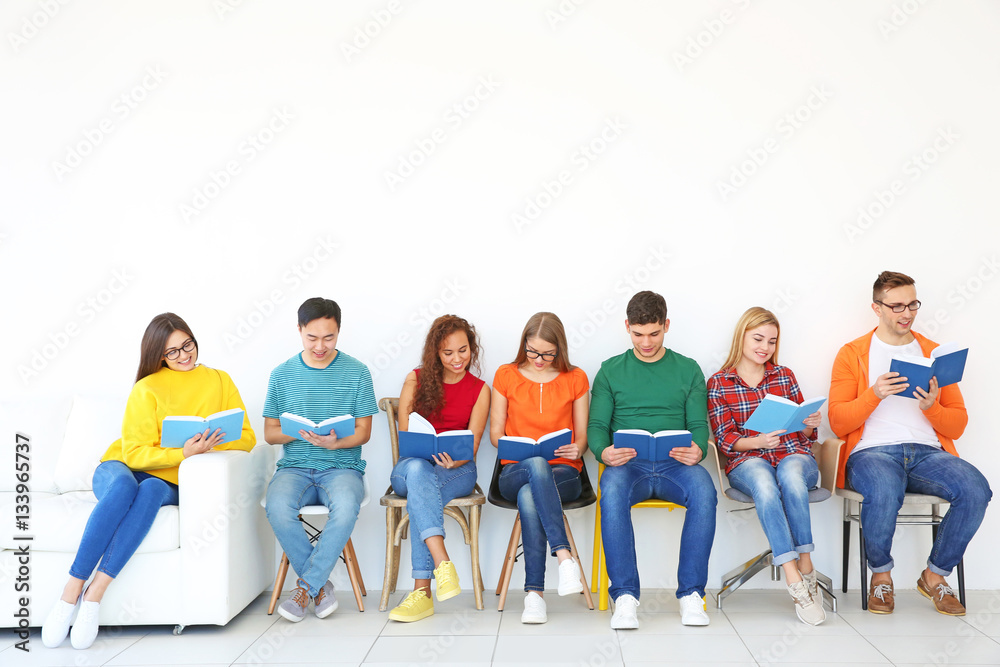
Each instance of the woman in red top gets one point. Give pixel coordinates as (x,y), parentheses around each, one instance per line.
(541,392)
(445,393)
(776,469)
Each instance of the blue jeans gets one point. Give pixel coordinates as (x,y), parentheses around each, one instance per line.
(539,490)
(638,480)
(883,474)
(127,503)
(428,488)
(340,490)
(781,495)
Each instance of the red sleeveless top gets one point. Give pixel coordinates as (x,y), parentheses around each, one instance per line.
(459,399)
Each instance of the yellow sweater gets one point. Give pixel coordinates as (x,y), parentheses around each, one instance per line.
(200,392)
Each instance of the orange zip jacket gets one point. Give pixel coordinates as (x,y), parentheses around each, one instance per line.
(852,400)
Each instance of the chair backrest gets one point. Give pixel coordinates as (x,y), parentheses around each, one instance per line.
(391,407)
(720,467)
(827,457)
(587,495)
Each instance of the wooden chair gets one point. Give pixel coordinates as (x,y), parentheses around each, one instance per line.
(397,520)
(599,572)
(826,457)
(348,556)
(587,497)
(932,518)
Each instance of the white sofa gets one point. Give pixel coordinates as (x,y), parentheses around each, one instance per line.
(202,562)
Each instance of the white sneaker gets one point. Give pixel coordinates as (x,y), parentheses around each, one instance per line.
(569,577)
(693,610)
(534,609)
(57,623)
(808,610)
(85,627)
(624,617)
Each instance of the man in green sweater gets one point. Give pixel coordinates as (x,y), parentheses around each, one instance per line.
(652,388)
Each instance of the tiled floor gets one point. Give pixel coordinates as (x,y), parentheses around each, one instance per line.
(757,628)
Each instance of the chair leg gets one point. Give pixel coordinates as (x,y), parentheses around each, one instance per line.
(583,574)
(961,581)
(390,536)
(353,572)
(361,582)
(847,549)
(863,568)
(602,585)
(595,570)
(279,583)
(741,574)
(477,573)
(402,530)
(511,554)
(508,569)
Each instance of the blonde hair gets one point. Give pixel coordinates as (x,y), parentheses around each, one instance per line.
(751,319)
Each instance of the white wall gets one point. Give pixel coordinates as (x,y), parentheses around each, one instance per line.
(119,120)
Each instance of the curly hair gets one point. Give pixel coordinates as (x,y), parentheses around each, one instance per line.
(429,397)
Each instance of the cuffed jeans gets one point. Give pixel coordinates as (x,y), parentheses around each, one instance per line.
(883,474)
(428,488)
(638,480)
(340,490)
(539,490)
(781,495)
(127,503)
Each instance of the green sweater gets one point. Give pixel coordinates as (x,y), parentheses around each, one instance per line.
(666,394)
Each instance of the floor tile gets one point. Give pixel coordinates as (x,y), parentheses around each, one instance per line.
(912,623)
(346,620)
(771,623)
(939,650)
(670,624)
(209,644)
(683,649)
(575,649)
(559,623)
(65,655)
(800,647)
(661,663)
(465,623)
(424,650)
(274,648)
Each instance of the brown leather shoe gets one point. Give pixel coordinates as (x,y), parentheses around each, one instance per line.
(880,599)
(943,596)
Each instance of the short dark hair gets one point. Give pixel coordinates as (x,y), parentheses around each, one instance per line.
(318,308)
(646,308)
(888,280)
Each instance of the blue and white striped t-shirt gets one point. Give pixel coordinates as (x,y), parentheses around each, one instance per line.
(342,388)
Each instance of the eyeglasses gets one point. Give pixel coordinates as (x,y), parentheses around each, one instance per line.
(900,307)
(175,352)
(546,356)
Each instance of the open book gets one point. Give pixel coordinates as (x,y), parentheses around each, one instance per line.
(422,442)
(517,448)
(651,446)
(777,413)
(291,424)
(946,363)
(178,430)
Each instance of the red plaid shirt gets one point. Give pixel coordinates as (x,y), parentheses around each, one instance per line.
(731,402)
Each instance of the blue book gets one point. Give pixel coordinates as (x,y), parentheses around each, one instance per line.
(777,413)
(291,424)
(651,446)
(422,442)
(517,448)
(946,363)
(178,430)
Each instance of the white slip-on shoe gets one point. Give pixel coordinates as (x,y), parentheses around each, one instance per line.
(534,609)
(569,577)
(85,626)
(625,617)
(693,610)
(56,625)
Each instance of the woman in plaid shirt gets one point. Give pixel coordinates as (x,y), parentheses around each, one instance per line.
(776,470)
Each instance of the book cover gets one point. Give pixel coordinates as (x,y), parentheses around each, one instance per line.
(516,448)
(420,441)
(777,413)
(946,363)
(291,424)
(179,429)
(651,446)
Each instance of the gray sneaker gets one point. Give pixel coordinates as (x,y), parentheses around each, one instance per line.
(808,610)
(294,608)
(325,602)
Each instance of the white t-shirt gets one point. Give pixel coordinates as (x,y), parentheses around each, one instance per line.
(896,419)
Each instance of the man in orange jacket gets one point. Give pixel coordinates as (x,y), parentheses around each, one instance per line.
(900,439)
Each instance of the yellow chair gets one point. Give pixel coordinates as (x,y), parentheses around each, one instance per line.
(397,521)
(599,572)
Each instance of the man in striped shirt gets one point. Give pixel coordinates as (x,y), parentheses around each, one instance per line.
(317,383)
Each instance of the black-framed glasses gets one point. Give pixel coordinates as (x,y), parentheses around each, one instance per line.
(546,356)
(900,307)
(175,352)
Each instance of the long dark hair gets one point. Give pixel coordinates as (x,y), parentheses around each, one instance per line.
(549,328)
(154,340)
(429,397)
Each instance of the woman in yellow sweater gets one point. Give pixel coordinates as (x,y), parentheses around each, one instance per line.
(136,476)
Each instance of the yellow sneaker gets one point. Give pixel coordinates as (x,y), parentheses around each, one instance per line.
(447,581)
(415,607)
